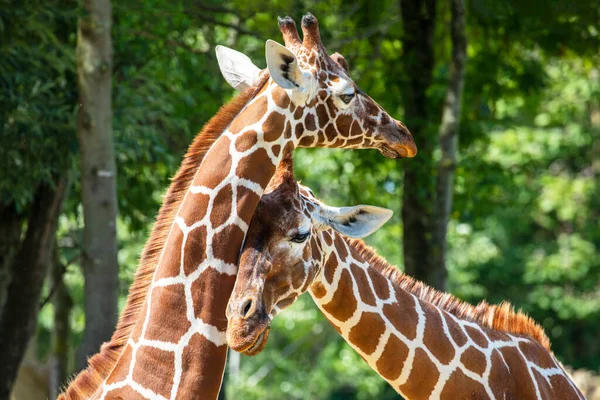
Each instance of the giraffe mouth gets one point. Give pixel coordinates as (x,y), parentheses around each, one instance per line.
(259,344)
(388,152)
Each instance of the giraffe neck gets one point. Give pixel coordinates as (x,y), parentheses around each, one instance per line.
(177,348)
(424,351)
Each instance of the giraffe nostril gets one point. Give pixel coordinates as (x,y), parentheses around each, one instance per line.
(247,309)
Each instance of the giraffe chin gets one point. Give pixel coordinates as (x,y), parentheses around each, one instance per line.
(259,344)
(391,153)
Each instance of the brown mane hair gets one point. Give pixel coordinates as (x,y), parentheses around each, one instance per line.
(501,317)
(100,365)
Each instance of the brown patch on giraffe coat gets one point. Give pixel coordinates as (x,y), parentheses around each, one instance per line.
(501,383)
(216,166)
(195,207)
(172,257)
(307,141)
(198,353)
(309,122)
(342,304)
(494,335)
(282,100)
(331,133)
(455,330)
(167,326)
(246,141)
(298,113)
(298,275)
(211,309)
(326,236)
(273,126)
(380,284)
(287,132)
(195,249)
(330,267)
(402,314)
(153,369)
(221,206)
(534,352)
(340,246)
(461,386)
(518,375)
(423,377)
(245,196)
(314,249)
(344,122)
(546,391)
(355,129)
(474,360)
(260,171)
(276,149)
(299,130)
(353,142)
(252,114)
(392,359)
(124,393)
(360,277)
(233,236)
(366,333)
(562,389)
(434,339)
(333,110)
(477,336)
(122,367)
(318,290)
(322,115)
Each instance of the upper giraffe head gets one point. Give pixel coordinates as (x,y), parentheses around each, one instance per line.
(327,108)
(283,255)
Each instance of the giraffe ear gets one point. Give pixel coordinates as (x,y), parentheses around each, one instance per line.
(357,221)
(283,66)
(237,69)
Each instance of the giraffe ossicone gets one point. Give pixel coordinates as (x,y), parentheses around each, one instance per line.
(170,342)
(425,344)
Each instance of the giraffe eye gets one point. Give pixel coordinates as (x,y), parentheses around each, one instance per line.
(347,97)
(300,237)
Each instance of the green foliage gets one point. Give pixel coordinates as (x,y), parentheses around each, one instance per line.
(38,96)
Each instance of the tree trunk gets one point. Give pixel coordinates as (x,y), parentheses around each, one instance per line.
(19,319)
(59,363)
(448,134)
(98,176)
(10,236)
(418,18)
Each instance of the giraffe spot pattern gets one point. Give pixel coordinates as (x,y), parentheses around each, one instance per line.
(164,327)
(439,345)
(366,333)
(390,364)
(423,377)
(474,360)
(343,304)
(148,370)
(457,383)
(364,290)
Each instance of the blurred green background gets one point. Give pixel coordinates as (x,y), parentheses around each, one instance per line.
(525,220)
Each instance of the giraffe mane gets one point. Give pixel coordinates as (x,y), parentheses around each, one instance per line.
(501,317)
(87,382)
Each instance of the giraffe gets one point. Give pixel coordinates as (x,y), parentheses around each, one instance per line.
(425,344)
(170,339)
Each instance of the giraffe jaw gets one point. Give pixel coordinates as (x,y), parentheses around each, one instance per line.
(391,153)
(259,344)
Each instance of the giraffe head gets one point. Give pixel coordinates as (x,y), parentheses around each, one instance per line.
(314,91)
(283,253)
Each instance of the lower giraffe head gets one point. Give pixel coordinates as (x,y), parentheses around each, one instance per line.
(283,254)
(313,95)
